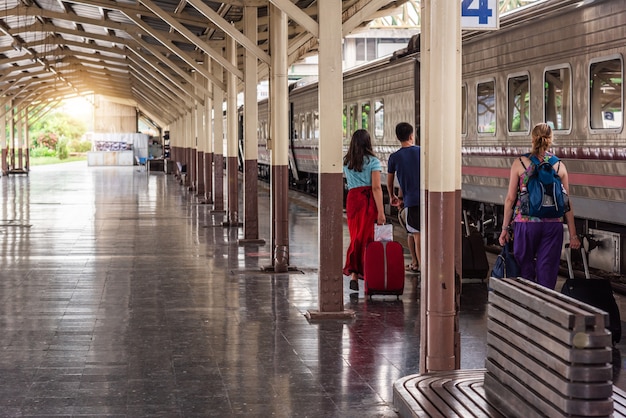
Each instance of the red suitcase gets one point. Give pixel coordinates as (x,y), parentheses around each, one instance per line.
(384,268)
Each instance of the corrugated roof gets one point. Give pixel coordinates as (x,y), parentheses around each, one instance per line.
(143,51)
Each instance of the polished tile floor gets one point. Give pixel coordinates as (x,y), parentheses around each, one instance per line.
(121,295)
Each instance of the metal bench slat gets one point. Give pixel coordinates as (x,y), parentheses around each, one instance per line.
(549,304)
(574,372)
(540,396)
(514,330)
(529,373)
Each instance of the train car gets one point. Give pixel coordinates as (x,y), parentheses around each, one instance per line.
(558,61)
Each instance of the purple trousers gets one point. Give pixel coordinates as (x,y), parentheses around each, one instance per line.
(537,249)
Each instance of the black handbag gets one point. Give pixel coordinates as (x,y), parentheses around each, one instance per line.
(505,265)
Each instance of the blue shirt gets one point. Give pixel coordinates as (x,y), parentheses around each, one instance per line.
(364,177)
(405,165)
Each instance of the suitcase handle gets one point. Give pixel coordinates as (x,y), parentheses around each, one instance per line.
(568,256)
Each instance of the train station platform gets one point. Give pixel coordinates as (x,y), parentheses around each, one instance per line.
(121,295)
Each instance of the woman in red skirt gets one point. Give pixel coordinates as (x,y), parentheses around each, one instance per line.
(364,205)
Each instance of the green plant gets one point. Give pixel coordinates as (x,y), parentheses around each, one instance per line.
(62,151)
(42,152)
(78,146)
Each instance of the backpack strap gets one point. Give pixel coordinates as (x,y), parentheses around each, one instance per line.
(533,159)
(553,160)
(522,163)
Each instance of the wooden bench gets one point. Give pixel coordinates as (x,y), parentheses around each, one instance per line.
(547,356)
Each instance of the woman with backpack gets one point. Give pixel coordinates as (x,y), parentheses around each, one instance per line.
(535,220)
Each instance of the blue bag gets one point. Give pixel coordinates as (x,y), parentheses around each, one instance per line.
(505,265)
(544,196)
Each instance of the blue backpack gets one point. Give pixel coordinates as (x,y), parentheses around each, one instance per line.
(544,196)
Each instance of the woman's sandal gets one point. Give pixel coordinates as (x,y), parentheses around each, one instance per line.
(412,268)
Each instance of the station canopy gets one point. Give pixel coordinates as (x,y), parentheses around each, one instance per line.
(147,53)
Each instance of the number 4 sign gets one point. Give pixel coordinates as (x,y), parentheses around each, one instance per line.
(479,14)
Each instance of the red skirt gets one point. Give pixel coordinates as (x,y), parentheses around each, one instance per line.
(362,215)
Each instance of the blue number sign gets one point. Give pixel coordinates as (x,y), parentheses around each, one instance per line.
(479,14)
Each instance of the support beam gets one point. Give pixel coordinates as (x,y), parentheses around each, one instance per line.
(208,152)
(218,142)
(279,121)
(251,141)
(297,15)
(232,215)
(230,30)
(330,208)
(441,150)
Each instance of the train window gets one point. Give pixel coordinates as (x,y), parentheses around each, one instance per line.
(354,121)
(309,126)
(557,98)
(518,94)
(365,115)
(486,107)
(316,125)
(302,126)
(379,119)
(463,110)
(294,124)
(345,122)
(605,94)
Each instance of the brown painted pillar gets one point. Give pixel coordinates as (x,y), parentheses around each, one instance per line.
(232,215)
(208,176)
(189,145)
(200,141)
(13,140)
(279,121)
(330,208)
(26,141)
(218,143)
(3,144)
(208,126)
(5,166)
(441,177)
(251,142)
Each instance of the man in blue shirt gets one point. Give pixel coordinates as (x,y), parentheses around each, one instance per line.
(405,165)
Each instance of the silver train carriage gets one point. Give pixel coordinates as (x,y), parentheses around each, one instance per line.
(558,61)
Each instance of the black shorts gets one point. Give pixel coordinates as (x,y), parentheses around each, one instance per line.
(413,219)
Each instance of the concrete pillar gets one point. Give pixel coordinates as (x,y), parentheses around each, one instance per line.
(26,143)
(330,208)
(232,215)
(208,152)
(13,140)
(3,144)
(200,142)
(190,139)
(19,144)
(250,138)
(441,177)
(279,121)
(218,143)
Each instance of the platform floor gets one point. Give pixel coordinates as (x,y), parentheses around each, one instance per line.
(121,295)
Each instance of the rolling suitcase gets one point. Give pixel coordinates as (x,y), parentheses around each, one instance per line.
(384,268)
(595,292)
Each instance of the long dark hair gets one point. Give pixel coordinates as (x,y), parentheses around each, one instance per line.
(360,146)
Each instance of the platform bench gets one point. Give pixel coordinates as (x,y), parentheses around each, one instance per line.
(548,355)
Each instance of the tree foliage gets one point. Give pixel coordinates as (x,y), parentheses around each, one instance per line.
(58,125)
